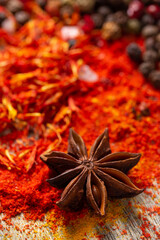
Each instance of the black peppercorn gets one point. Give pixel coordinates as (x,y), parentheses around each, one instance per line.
(104,10)
(120,18)
(147,19)
(150,31)
(133,26)
(110,18)
(150,56)
(41,3)
(145,68)
(154,78)
(22,17)
(8,25)
(111,31)
(97,19)
(134,52)
(150,43)
(14,6)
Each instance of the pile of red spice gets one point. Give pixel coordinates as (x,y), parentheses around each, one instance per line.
(42,95)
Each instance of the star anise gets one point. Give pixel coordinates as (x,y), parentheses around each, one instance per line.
(100,175)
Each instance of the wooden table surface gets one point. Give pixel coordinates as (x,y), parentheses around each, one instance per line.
(128,226)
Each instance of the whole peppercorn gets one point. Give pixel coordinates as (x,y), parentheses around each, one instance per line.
(97,19)
(149,31)
(14,6)
(135,9)
(120,18)
(134,52)
(150,43)
(41,3)
(133,26)
(22,17)
(154,78)
(154,10)
(145,68)
(110,18)
(111,31)
(150,56)
(147,19)
(85,6)
(104,10)
(8,25)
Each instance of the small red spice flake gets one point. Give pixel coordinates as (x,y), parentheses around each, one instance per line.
(1,227)
(123,232)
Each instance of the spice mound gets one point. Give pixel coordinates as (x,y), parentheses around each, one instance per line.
(100,175)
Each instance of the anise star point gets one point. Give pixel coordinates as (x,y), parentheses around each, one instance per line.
(97,176)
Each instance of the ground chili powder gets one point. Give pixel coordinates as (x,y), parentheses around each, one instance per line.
(41,96)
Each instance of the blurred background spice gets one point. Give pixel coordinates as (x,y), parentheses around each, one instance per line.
(114,17)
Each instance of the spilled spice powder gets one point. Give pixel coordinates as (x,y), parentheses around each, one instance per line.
(41,97)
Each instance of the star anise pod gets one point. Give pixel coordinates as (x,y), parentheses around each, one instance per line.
(101,175)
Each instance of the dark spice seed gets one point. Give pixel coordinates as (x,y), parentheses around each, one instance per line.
(133,26)
(22,17)
(8,25)
(147,19)
(14,6)
(154,10)
(150,56)
(110,18)
(120,17)
(104,10)
(154,78)
(134,52)
(97,19)
(41,3)
(150,31)
(150,43)
(145,68)
(111,31)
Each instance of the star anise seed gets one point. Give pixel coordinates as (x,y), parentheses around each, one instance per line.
(100,175)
